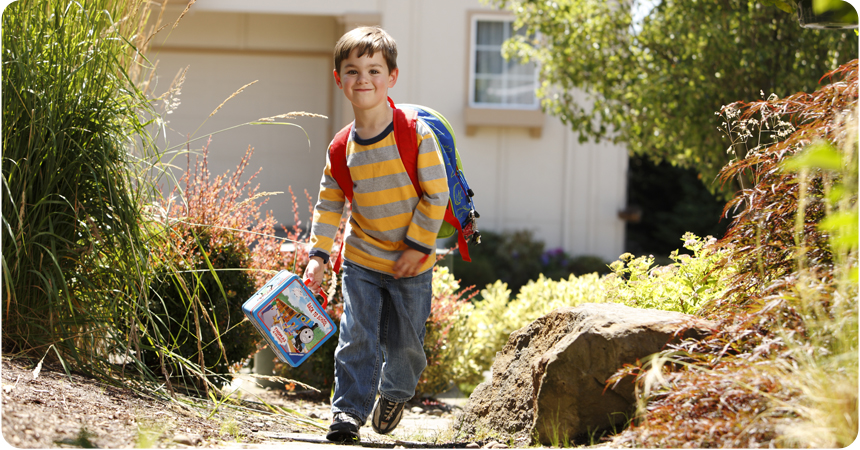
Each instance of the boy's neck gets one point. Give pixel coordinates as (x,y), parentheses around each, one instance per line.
(370,122)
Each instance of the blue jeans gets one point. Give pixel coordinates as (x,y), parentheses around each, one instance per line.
(381,342)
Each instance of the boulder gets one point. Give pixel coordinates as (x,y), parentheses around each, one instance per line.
(549,381)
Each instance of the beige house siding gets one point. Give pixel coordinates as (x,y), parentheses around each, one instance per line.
(528,170)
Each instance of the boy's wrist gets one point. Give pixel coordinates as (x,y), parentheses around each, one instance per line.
(316,253)
(417,247)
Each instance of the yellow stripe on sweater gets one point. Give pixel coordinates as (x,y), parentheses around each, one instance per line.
(418,233)
(386,223)
(377,169)
(368,260)
(427,159)
(384,196)
(431,210)
(328,218)
(333,195)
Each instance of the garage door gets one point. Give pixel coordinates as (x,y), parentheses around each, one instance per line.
(285,83)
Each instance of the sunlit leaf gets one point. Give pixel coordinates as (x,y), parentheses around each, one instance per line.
(819,155)
(783,5)
(836,193)
(843,226)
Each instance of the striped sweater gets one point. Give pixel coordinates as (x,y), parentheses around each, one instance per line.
(387,215)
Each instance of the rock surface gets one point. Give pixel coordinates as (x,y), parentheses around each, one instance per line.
(549,381)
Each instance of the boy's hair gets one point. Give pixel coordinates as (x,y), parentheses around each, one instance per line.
(368,41)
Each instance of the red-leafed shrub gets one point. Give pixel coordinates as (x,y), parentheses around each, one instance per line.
(782,369)
(217,250)
(768,238)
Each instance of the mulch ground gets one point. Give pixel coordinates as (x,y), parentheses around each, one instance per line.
(48,408)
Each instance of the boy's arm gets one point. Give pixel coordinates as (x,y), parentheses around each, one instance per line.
(327,214)
(433,180)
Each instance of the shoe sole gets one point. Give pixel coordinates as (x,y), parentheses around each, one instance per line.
(343,433)
(342,436)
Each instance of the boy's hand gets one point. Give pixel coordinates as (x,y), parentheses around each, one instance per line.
(314,272)
(409,263)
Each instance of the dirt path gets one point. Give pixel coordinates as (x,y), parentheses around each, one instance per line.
(52,409)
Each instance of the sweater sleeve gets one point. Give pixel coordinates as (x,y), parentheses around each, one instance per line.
(327,214)
(430,211)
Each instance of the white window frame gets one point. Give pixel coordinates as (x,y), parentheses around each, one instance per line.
(473,49)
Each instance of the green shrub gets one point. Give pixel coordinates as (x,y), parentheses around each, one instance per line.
(516,257)
(685,285)
(442,344)
(198,310)
(480,333)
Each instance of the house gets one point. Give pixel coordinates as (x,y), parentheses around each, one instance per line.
(528,170)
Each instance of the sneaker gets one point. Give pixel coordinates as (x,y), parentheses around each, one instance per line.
(344,428)
(386,415)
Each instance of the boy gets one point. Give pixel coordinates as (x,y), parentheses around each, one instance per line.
(390,244)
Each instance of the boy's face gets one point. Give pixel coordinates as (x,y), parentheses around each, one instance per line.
(365,80)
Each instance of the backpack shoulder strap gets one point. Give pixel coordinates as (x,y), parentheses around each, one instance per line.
(407,143)
(337,158)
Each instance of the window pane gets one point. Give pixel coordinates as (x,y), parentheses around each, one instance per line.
(516,68)
(489,61)
(487,90)
(491,33)
(522,92)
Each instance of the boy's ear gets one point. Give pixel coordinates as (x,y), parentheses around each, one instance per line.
(392,77)
(337,78)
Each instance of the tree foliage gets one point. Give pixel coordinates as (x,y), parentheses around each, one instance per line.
(655,82)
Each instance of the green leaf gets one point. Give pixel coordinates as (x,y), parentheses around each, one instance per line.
(835,194)
(783,5)
(843,228)
(823,6)
(818,155)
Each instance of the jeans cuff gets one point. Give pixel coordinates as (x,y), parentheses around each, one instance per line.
(395,400)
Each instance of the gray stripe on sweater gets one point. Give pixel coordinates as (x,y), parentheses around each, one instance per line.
(387,210)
